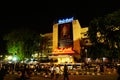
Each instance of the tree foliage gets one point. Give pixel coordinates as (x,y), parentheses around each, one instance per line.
(104,33)
(22,42)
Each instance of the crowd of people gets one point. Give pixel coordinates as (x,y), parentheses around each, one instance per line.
(54,71)
(25,71)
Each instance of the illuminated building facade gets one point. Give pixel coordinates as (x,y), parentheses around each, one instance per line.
(85,42)
(47,43)
(67,41)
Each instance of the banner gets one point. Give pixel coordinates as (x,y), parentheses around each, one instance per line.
(65,35)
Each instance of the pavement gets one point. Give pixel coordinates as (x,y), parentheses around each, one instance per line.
(71,77)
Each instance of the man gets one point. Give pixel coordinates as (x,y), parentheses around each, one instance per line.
(65,73)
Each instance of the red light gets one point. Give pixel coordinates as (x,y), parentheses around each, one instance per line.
(63,50)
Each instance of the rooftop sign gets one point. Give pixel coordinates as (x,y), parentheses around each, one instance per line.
(65,20)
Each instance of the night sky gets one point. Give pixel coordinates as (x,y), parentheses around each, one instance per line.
(43,15)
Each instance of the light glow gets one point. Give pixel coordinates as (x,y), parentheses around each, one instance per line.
(10,57)
(63,50)
(14,58)
(65,20)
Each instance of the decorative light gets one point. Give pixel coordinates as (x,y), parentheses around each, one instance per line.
(63,50)
(10,57)
(65,20)
(14,58)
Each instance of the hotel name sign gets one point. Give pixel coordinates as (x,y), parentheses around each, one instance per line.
(61,21)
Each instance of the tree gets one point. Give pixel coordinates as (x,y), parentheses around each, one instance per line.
(22,42)
(104,34)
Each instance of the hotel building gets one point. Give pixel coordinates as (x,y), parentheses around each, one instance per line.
(67,41)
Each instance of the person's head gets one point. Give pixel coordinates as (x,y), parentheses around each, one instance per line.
(65,65)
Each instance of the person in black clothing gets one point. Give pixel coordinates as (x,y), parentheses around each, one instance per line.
(66,75)
(118,71)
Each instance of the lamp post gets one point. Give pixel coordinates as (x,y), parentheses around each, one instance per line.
(86,53)
(86,59)
(15,60)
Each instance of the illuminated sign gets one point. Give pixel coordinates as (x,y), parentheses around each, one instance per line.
(63,50)
(65,20)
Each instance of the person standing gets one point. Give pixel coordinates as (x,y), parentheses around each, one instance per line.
(65,73)
(52,69)
(57,72)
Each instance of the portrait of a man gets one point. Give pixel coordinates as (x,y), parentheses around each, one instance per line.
(65,35)
(65,31)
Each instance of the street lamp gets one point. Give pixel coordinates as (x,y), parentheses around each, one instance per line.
(86,53)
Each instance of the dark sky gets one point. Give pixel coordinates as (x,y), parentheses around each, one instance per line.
(42,16)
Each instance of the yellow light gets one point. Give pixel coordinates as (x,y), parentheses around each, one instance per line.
(10,57)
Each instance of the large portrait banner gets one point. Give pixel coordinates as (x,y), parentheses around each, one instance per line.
(65,35)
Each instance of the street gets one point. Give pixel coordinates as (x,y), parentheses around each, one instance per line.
(71,77)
